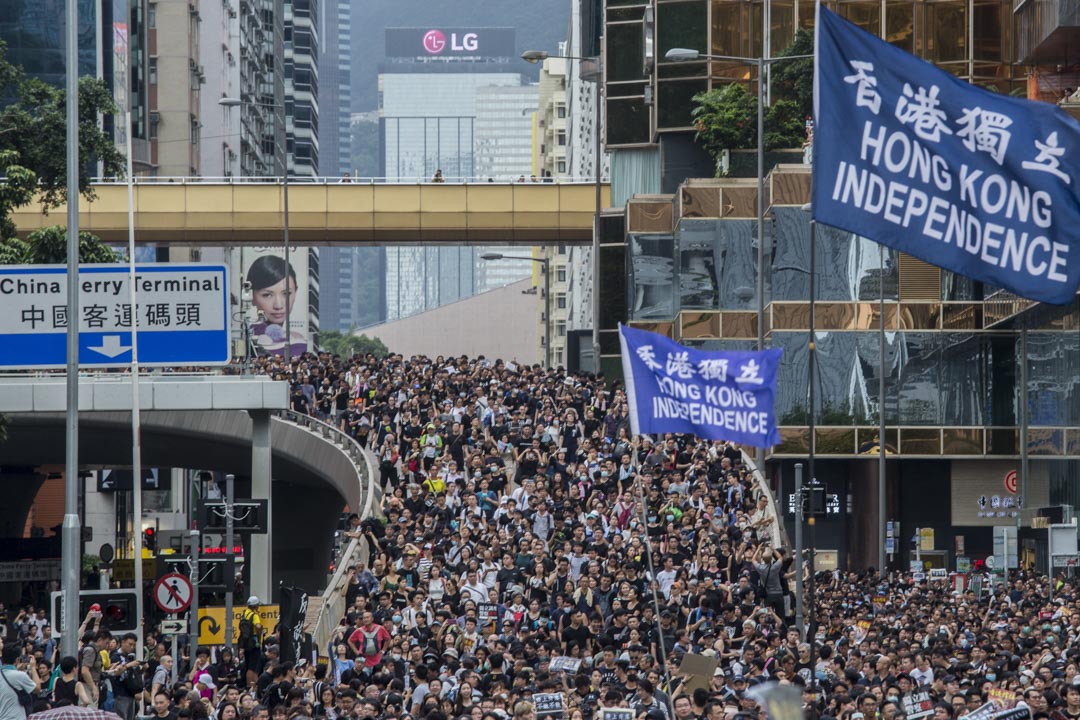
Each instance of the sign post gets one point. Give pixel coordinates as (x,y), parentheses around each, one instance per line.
(182,316)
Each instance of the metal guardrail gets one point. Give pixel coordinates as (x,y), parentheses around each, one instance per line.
(333,597)
(294,180)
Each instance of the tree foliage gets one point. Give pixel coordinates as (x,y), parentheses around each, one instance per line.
(726,116)
(348,344)
(48,246)
(33,138)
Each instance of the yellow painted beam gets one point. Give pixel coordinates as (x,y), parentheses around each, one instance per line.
(335,214)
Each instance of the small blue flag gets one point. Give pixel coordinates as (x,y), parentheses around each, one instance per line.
(983,184)
(711,394)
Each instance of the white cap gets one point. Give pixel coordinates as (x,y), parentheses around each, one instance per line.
(253,600)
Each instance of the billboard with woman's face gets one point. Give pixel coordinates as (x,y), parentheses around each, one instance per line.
(273,285)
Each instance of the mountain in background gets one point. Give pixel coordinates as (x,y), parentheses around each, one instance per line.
(540,24)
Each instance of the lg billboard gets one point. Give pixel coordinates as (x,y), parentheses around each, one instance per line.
(450,42)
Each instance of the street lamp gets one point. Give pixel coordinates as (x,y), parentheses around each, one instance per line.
(688,55)
(229,102)
(596,75)
(546,263)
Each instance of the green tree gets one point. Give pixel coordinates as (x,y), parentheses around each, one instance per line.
(726,117)
(33,139)
(794,79)
(348,344)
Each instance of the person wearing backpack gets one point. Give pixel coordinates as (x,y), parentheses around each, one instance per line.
(17,688)
(250,633)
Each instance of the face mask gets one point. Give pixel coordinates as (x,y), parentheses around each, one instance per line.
(1057,628)
(991,676)
(397,618)
(893,699)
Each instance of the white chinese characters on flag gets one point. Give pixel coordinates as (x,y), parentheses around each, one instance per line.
(982,184)
(711,394)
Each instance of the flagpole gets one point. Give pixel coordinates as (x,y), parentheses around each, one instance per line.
(881,413)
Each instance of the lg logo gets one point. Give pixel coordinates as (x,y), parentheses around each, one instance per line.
(435,42)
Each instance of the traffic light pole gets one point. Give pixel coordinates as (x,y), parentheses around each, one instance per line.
(230,573)
(193,617)
(799,500)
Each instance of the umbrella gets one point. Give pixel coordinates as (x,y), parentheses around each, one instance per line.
(73,712)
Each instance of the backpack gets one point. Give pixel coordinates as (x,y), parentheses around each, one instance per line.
(247,631)
(25,699)
(133,680)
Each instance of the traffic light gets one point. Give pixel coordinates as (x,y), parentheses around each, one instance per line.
(117,608)
(817,501)
(149,538)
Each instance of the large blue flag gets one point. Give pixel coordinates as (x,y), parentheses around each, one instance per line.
(982,184)
(711,394)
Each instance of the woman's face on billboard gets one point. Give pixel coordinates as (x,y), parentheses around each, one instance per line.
(271,301)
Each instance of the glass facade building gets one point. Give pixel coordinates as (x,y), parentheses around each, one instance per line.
(971,38)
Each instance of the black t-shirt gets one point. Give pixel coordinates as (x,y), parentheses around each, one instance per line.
(576,637)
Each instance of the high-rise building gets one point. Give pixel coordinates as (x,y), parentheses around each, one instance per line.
(550,149)
(504,131)
(302,87)
(219,48)
(335,79)
(430,91)
(176,79)
(112,46)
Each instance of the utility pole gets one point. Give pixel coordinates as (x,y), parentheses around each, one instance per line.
(799,500)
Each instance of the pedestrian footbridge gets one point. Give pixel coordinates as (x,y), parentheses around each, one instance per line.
(252,211)
(229,424)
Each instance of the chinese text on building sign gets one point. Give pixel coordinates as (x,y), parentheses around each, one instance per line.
(980,183)
(715,395)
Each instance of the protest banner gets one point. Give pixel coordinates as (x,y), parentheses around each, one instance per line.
(977,182)
(712,394)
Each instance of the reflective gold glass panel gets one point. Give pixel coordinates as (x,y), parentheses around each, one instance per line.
(660,328)
(963,441)
(947,31)
(919,316)
(739,325)
(1072,443)
(1045,441)
(961,316)
(699,325)
(920,442)
(782,25)
(900,24)
(736,28)
(867,438)
(864,13)
(835,441)
(793,441)
(793,316)
(989,20)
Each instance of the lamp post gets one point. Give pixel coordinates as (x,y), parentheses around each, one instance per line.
(546,263)
(596,75)
(688,55)
(228,102)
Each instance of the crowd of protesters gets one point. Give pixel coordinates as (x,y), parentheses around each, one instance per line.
(530,547)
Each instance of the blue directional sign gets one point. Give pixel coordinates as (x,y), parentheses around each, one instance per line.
(182,316)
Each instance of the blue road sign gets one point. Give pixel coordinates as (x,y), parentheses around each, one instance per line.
(182,315)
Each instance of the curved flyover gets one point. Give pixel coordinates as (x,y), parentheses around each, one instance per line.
(315,473)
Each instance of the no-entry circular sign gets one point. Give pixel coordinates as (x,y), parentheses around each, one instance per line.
(1010,482)
(172,593)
